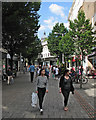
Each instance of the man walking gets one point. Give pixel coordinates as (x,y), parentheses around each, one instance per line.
(31,70)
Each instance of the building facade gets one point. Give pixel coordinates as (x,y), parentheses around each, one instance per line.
(46,57)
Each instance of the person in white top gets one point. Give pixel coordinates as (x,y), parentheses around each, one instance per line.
(38,70)
(56,72)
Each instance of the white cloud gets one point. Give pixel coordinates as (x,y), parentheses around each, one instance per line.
(56,9)
(50,22)
(50,26)
(42,27)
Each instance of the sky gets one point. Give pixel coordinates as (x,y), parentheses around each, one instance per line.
(52,13)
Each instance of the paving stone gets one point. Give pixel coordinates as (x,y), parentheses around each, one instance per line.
(16,100)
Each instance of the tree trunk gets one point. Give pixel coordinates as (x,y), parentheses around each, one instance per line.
(60,58)
(29,61)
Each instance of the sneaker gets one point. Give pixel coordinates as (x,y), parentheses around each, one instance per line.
(41,111)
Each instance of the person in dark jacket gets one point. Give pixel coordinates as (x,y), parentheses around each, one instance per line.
(66,86)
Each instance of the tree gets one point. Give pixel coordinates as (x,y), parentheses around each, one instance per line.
(32,51)
(82,34)
(66,46)
(19,24)
(55,37)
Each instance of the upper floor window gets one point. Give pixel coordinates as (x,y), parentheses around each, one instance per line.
(48,54)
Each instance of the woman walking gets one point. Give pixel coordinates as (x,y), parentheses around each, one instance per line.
(10,77)
(42,87)
(66,86)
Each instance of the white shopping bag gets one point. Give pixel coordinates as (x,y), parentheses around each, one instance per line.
(12,80)
(34,99)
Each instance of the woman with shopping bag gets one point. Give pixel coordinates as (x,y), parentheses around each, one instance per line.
(41,87)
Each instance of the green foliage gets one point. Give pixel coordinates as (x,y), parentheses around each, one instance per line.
(34,49)
(82,34)
(66,45)
(55,37)
(19,25)
(57,62)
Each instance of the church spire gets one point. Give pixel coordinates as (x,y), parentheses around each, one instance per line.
(44,33)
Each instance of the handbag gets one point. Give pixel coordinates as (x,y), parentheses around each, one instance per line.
(34,99)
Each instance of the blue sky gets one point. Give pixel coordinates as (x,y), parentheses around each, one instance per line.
(51,13)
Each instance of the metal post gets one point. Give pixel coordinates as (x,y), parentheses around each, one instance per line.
(81,72)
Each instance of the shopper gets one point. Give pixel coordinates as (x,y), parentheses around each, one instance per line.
(54,71)
(41,87)
(9,73)
(47,72)
(32,70)
(66,86)
(57,72)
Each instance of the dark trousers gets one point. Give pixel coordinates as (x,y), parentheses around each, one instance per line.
(66,96)
(41,93)
(32,75)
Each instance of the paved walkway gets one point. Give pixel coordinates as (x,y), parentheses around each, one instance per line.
(16,100)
